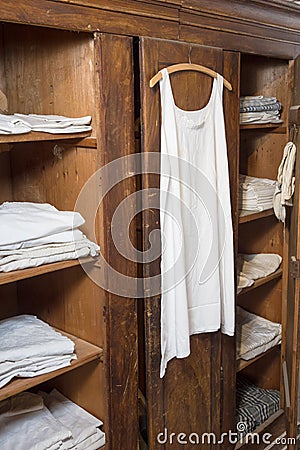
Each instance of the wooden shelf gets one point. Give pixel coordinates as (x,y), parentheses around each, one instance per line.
(248,216)
(16,275)
(262,281)
(275,128)
(39,136)
(242,363)
(85,352)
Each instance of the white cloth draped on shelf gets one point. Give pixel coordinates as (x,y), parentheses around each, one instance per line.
(286,182)
(24,123)
(253,266)
(254,334)
(47,422)
(33,234)
(256,194)
(30,347)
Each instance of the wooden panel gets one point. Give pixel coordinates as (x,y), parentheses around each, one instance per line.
(34,136)
(51,174)
(261,153)
(268,77)
(292,343)
(192,382)
(263,236)
(8,301)
(54,67)
(138,8)
(265,372)
(6,187)
(116,139)
(243,363)
(215,35)
(231,71)
(264,301)
(75,17)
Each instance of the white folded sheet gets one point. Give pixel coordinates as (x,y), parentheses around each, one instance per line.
(254,334)
(26,424)
(33,367)
(24,221)
(256,194)
(58,238)
(26,336)
(85,428)
(45,254)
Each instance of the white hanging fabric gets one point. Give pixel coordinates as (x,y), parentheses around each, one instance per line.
(197,269)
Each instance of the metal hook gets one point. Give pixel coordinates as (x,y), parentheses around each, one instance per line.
(295,132)
(190,52)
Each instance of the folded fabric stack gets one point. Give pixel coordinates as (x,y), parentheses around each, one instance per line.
(33,234)
(254,334)
(47,422)
(259,109)
(256,194)
(24,123)
(254,405)
(251,267)
(30,347)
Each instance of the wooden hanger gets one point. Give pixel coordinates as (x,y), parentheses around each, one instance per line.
(188,66)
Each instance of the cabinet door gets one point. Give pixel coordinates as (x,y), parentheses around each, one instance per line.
(292,346)
(190,397)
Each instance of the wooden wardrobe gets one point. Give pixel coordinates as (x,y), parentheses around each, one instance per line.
(96,57)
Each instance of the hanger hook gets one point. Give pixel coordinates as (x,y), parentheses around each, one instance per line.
(295,132)
(190,52)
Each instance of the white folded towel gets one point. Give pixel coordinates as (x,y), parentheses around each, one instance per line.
(24,221)
(254,334)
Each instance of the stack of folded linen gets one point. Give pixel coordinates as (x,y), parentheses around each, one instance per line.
(256,194)
(259,109)
(254,405)
(30,347)
(24,123)
(55,124)
(251,267)
(254,334)
(33,234)
(84,428)
(26,423)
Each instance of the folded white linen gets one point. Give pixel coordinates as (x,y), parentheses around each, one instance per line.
(254,334)
(30,368)
(82,425)
(38,120)
(256,194)
(31,428)
(58,238)
(26,336)
(24,221)
(46,254)
(258,265)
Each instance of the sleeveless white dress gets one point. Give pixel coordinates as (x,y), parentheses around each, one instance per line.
(197,268)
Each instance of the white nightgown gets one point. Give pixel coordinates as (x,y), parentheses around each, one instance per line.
(197,269)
